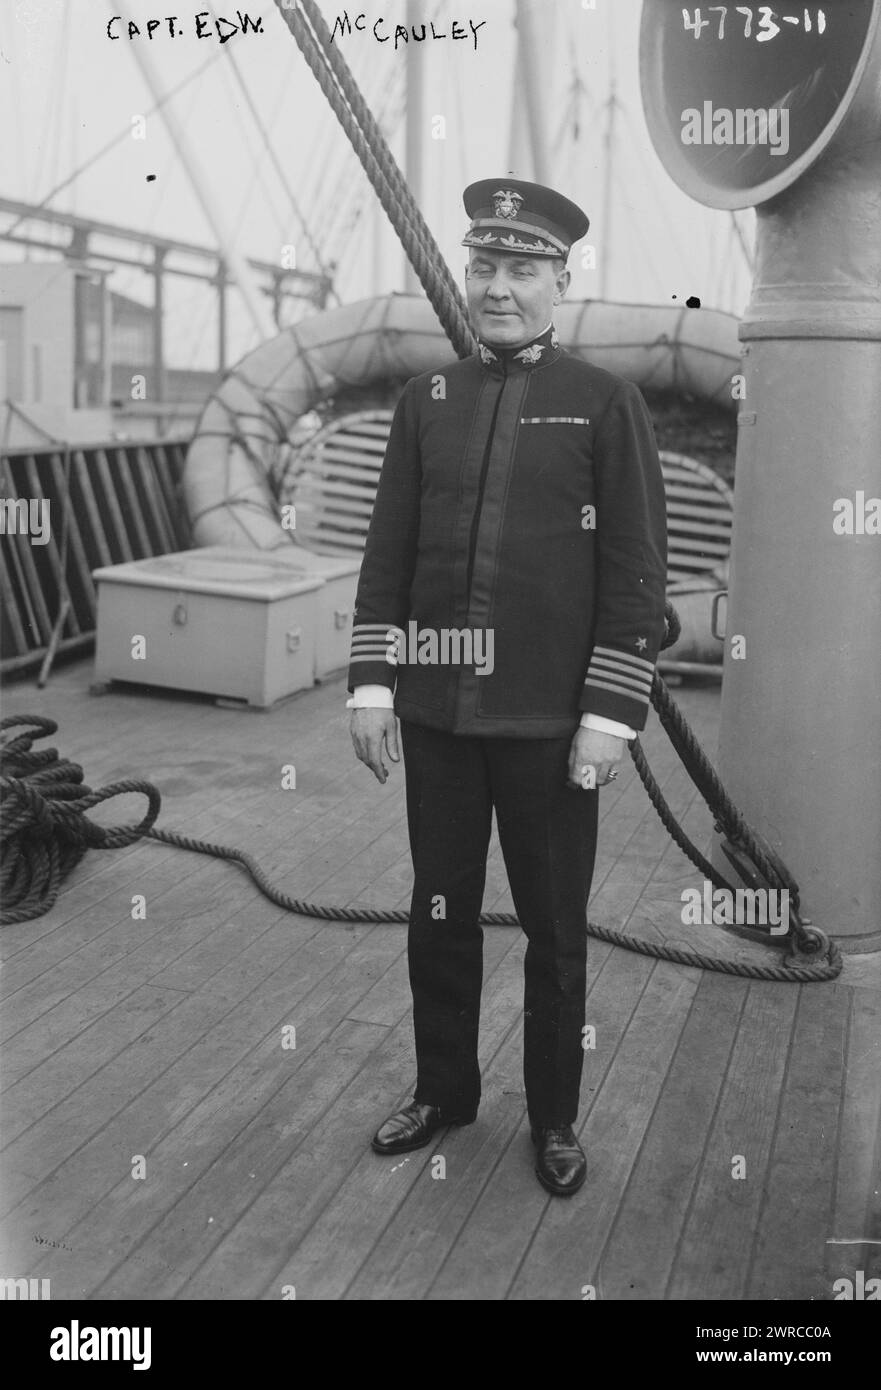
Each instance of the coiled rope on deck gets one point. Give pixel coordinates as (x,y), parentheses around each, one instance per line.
(44,829)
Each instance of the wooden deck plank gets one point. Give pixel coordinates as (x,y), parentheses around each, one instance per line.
(857,1210)
(639,1250)
(799,1189)
(182,1235)
(632,1054)
(58,1077)
(266,1132)
(712,1261)
(238,1068)
(91,1051)
(205,1037)
(195,966)
(411,1250)
(252,1258)
(289,1221)
(506,1215)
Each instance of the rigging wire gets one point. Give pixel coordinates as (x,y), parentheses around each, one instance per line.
(643,237)
(459,111)
(17,108)
(255,163)
(196,326)
(361,202)
(127,274)
(349,203)
(60,87)
(277,165)
(327,159)
(339,156)
(52,116)
(577,93)
(352,187)
(124,134)
(651,174)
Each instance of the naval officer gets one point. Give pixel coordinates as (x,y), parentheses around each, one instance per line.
(520,497)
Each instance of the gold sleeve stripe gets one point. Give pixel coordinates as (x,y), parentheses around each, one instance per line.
(642,699)
(612,655)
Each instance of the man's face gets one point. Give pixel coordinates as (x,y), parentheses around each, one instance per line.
(511,298)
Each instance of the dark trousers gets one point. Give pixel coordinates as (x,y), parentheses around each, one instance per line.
(547,832)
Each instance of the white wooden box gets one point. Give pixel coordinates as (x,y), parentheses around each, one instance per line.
(335,602)
(233,623)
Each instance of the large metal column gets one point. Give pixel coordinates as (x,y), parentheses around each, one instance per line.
(800,746)
(800,743)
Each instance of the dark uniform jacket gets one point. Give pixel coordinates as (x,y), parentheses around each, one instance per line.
(483,520)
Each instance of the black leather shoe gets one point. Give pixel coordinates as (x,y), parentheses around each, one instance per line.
(560,1164)
(412,1128)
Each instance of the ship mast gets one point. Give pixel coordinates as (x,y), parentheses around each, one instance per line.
(608,148)
(415,130)
(535,40)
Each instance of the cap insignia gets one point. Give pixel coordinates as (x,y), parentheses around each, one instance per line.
(506,203)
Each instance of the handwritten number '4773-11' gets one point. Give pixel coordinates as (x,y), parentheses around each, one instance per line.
(767,28)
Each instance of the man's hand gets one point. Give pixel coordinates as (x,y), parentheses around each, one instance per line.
(370,729)
(592,757)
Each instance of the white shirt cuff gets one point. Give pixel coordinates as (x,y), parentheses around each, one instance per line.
(607,726)
(372,697)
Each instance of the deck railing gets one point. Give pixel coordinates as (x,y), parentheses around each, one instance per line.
(108,503)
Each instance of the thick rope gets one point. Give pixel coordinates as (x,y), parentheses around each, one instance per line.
(44,829)
(44,832)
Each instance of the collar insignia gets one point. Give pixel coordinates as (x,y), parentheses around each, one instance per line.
(506,203)
(531,353)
